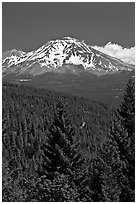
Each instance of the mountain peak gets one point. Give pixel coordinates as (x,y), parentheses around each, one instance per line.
(70,38)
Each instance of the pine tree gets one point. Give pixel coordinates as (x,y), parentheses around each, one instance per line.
(113,168)
(127,113)
(105,169)
(126,153)
(61,155)
(127,108)
(123,134)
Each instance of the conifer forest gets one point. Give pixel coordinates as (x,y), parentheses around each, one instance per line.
(57,147)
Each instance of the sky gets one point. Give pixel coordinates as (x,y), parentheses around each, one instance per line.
(28,25)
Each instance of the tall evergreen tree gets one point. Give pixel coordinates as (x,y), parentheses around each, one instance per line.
(123,133)
(126,153)
(61,155)
(127,108)
(105,169)
(113,168)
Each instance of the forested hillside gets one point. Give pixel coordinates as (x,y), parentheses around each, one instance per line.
(59,147)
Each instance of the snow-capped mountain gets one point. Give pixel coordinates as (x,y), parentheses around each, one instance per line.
(61,55)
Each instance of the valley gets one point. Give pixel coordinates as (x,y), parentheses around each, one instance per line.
(108,89)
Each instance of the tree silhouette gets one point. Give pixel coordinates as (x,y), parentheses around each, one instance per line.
(62,156)
(127,108)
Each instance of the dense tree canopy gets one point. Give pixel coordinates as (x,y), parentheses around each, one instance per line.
(58,147)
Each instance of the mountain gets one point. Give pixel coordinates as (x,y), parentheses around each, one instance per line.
(70,66)
(62,56)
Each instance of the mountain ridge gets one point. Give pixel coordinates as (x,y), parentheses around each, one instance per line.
(59,54)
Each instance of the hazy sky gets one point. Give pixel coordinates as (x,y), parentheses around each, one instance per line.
(27,26)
